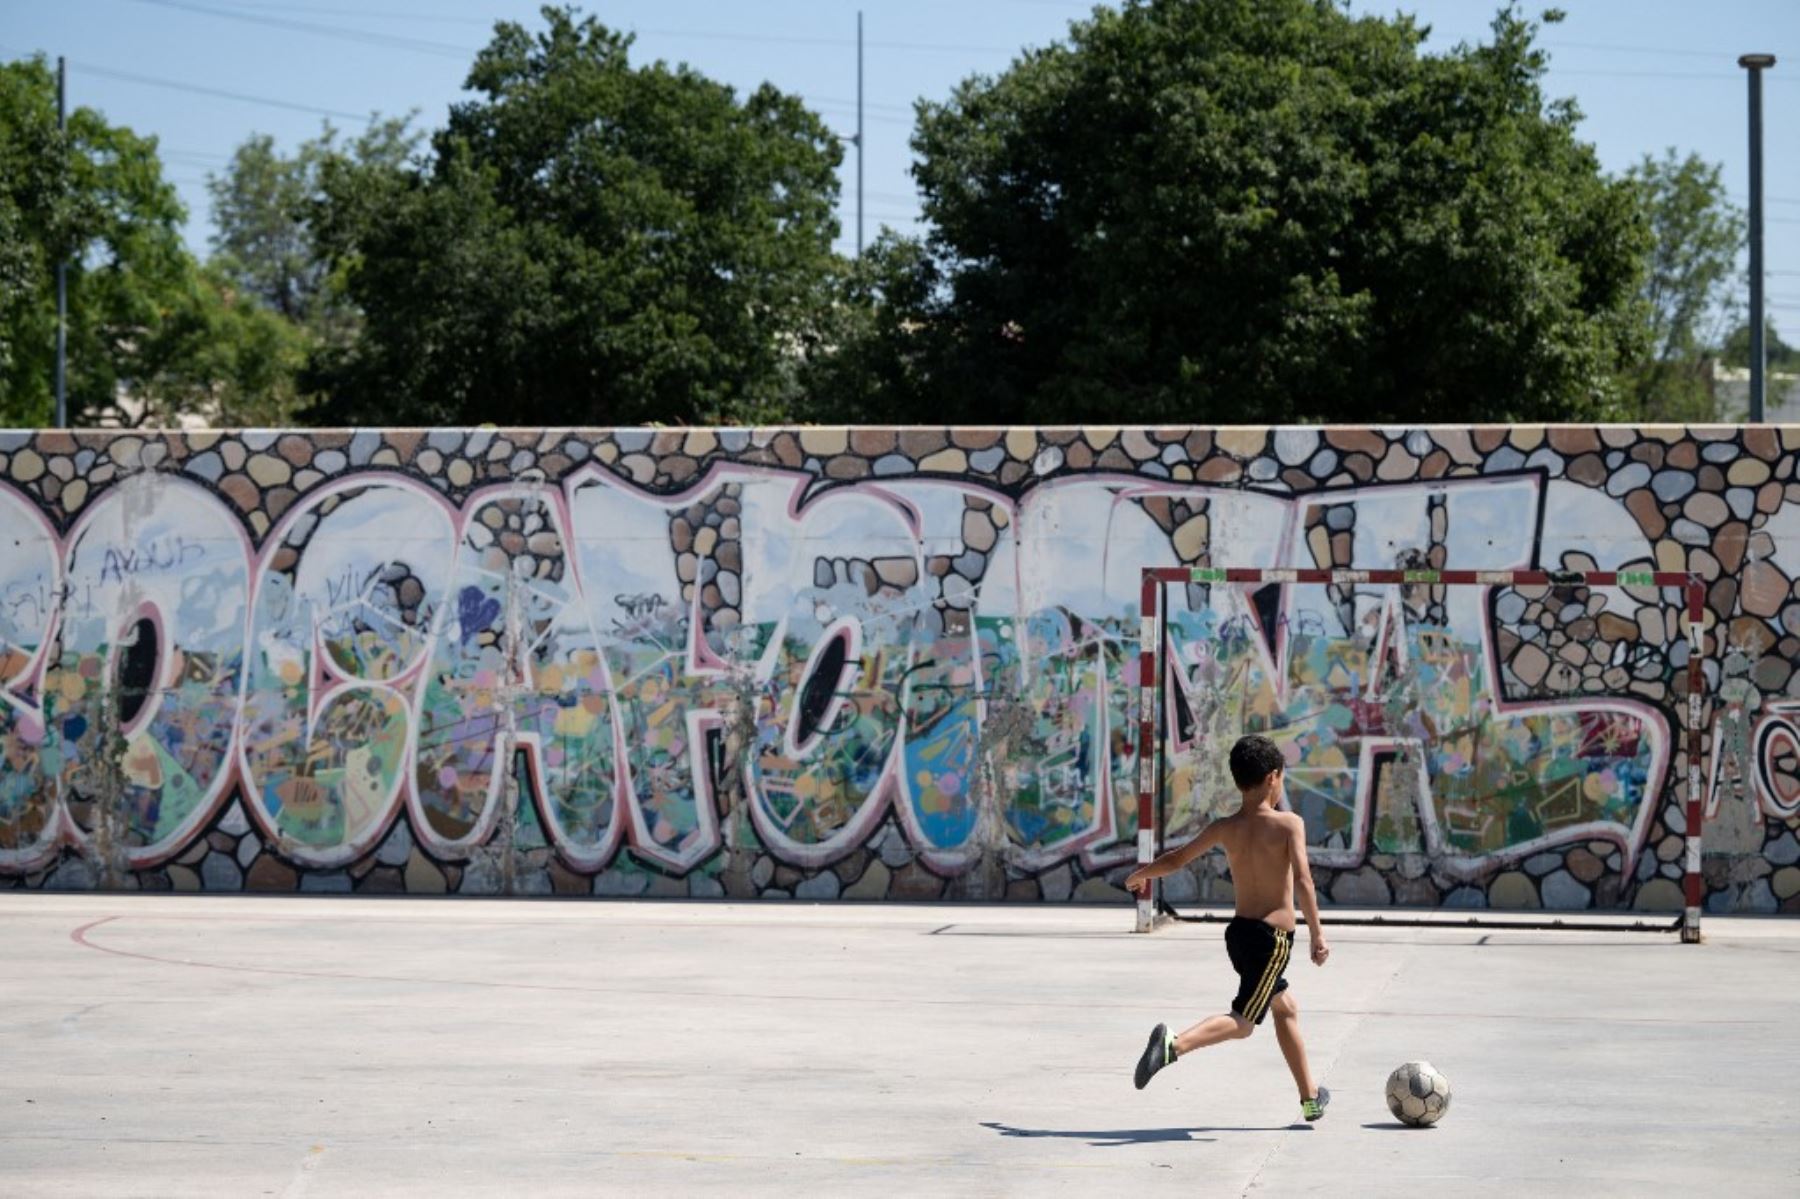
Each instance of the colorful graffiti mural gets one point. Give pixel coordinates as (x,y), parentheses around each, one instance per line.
(878,663)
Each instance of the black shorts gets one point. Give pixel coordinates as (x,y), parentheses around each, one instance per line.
(1259,953)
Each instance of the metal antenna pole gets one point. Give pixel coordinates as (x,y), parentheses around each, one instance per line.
(1756,64)
(859,133)
(62,266)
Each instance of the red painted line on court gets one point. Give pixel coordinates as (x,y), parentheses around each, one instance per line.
(449,903)
(80,937)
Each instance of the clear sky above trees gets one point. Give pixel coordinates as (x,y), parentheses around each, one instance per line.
(1648,74)
(1199,211)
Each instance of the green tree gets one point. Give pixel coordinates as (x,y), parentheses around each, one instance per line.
(867,366)
(589,242)
(275,299)
(1777,354)
(1689,285)
(97,200)
(226,359)
(263,241)
(32,218)
(1259,210)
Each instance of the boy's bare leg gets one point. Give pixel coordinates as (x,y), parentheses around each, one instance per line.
(1287,1034)
(1212,1030)
(1163,1049)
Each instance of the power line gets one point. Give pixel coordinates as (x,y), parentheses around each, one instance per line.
(1715,76)
(361,13)
(259,15)
(877,118)
(1609,48)
(177,85)
(426,45)
(293,106)
(1075,7)
(365,37)
(1078,8)
(905,108)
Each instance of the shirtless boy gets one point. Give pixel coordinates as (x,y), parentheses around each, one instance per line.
(1266,849)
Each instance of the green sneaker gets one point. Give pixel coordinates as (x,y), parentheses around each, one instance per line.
(1158,1053)
(1313,1108)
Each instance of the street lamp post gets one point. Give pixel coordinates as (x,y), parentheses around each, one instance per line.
(1756,64)
(62,265)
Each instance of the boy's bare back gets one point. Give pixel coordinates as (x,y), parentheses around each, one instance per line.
(1263,846)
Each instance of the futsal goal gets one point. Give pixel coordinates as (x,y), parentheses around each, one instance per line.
(1442,727)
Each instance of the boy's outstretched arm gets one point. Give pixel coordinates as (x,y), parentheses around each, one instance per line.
(1309,899)
(1139,880)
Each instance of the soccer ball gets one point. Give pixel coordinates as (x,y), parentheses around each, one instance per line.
(1417,1094)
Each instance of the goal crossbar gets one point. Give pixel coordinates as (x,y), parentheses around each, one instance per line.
(1152,670)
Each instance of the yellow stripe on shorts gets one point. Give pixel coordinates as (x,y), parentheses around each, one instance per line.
(1272,974)
(1259,1001)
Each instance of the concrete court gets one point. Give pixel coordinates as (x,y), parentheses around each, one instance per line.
(288,1046)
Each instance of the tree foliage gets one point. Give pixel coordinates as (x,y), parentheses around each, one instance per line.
(32,226)
(285,302)
(1191,211)
(96,199)
(1778,355)
(1689,285)
(264,202)
(1257,210)
(261,241)
(152,336)
(588,242)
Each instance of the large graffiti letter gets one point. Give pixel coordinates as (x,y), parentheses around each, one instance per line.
(517,663)
(643,595)
(30,751)
(142,694)
(834,595)
(343,608)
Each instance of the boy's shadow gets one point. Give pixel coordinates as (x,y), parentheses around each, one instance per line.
(1111,1138)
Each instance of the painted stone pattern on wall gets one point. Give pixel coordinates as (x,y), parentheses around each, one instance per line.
(885,663)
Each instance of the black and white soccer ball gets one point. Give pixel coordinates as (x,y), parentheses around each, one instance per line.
(1417,1094)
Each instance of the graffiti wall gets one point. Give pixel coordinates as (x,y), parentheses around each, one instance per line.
(879,663)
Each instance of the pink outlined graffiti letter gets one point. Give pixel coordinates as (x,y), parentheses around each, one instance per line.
(345,595)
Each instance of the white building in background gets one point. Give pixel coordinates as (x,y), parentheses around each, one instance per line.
(1731,395)
(129,412)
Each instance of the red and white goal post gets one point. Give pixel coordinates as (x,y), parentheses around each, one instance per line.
(1153,667)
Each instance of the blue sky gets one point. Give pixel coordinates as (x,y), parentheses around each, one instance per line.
(1647,73)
